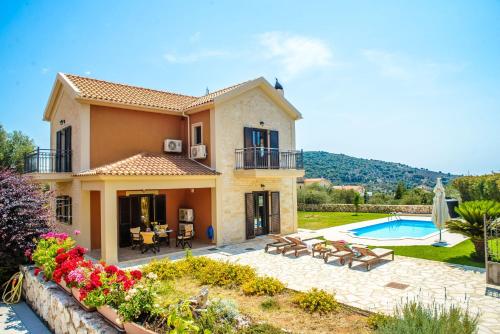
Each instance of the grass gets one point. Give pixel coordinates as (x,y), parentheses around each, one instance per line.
(463,253)
(319,220)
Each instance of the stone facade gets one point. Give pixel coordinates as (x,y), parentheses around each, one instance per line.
(59,310)
(409,209)
(231,117)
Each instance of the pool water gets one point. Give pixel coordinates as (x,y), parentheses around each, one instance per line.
(397,229)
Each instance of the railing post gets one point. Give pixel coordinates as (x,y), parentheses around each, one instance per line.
(37,158)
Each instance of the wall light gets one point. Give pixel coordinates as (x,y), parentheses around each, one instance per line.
(262,186)
(261,123)
(62,121)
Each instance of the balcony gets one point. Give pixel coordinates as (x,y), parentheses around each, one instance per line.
(52,164)
(268,162)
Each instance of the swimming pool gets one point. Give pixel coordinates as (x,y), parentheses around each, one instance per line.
(396,229)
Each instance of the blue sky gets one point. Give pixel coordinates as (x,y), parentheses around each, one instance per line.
(411,82)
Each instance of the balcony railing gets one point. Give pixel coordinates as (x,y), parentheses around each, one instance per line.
(47,161)
(268,158)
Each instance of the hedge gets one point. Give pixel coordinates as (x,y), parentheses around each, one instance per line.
(372,208)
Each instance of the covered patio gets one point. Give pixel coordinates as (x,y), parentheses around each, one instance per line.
(151,192)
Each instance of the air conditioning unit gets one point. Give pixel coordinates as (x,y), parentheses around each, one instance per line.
(186,215)
(198,152)
(172,145)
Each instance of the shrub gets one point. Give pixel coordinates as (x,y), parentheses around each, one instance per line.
(263,286)
(220,317)
(24,215)
(224,274)
(474,188)
(307,196)
(316,301)
(270,304)
(139,301)
(377,320)
(262,329)
(164,269)
(414,318)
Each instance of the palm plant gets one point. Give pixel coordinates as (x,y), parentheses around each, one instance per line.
(471,223)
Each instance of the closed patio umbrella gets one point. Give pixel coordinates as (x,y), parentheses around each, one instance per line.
(440,213)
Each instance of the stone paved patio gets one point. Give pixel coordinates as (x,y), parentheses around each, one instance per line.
(427,280)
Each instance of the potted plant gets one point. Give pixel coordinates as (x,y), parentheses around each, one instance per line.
(139,305)
(114,284)
(67,261)
(471,223)
(82,280)
(48,247)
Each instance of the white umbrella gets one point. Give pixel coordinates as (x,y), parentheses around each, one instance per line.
(440,213)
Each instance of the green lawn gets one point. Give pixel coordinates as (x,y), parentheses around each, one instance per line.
(319,220)
(458,254)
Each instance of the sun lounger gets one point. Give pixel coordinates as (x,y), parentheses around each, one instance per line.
(340,251)
(278,243)
(371,256)
(296,246)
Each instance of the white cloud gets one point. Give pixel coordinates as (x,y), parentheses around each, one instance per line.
(192,57)
(44,70)
(297,54)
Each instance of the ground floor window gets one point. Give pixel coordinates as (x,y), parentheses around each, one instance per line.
(63,209)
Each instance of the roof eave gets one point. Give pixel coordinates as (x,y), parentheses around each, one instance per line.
(122,105)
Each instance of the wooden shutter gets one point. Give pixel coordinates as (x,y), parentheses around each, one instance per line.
(275,217)
(67,149)
(248,154)
(135,211)
(58,156)
(250,216)
(274,145)
(124,221)
(160,209)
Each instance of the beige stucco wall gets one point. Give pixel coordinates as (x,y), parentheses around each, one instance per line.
(248,110)
(77,116)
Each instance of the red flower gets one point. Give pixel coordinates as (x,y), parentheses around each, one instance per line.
(61,250)
(136,274)
(128,284)
(105,291)
(37,271)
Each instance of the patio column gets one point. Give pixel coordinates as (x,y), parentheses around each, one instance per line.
(109,225)
(84,221)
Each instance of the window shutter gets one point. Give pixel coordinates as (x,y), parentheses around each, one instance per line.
(160,209)
(67,149)
(248,153)
(250,215)
(275,213)
(58,151)
(124,221)
(274,145)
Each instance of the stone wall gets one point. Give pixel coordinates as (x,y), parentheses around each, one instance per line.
(409,209)
(59,310)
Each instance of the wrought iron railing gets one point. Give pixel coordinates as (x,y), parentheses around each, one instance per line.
(48,161)
(268,158)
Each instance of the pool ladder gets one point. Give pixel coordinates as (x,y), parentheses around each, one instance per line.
(394,215)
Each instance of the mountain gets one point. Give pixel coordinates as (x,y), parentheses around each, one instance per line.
(374,174)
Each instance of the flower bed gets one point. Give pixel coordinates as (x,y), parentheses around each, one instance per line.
(151,301)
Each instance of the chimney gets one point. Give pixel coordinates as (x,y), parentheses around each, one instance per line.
(279,88)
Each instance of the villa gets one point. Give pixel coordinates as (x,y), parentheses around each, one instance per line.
(121,156)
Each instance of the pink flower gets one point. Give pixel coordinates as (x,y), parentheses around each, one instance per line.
(77,232)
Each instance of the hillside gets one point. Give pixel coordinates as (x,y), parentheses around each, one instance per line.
(374,174)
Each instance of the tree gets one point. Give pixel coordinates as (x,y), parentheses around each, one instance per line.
(400,190)
(13,147)
(24,215)
(366,197)
(356,202)
(471,223)
(474,188)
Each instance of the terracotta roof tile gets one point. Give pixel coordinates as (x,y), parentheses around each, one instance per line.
(152,164)
(119,93)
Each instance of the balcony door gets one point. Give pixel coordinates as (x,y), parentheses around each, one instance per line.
(63,150)
(261,149)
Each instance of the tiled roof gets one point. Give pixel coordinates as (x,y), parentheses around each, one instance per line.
(119,93)
(152,164)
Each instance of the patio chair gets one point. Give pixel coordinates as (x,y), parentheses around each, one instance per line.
(340,251)
(162,233)
(296,246)
(149,241)
(135,237)
(279,242)
(371,256)
(185,237)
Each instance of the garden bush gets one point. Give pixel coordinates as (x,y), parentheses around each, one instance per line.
(224,274)
(24,215)
(377,320)
(165,269)
(415,318)
(474,188)
(220,317)
(262,329)
(49,247)
(316,301)
(263,286)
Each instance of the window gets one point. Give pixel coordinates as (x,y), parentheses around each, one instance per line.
(197,133)
(63,209)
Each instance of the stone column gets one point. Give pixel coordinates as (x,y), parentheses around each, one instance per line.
(109,224)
